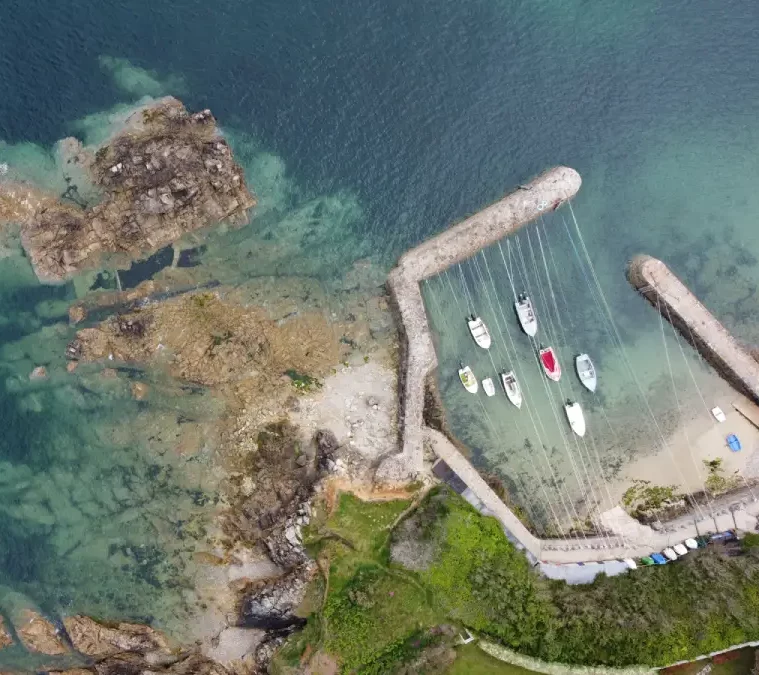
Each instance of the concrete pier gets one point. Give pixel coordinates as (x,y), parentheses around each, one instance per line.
(695,322)
(457,243)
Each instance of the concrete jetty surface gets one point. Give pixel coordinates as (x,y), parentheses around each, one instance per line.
(457,243)
(697,324)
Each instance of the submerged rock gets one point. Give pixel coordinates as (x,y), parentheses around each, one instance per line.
(38,634)
(167,173)
(5,637)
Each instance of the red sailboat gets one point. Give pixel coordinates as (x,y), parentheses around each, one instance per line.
(550,363)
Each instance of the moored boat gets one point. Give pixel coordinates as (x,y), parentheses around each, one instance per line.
(479,331)
(488,386)
(550,363)
(526,314)
(575,417)
(586,371)
(468,379)
(512,388)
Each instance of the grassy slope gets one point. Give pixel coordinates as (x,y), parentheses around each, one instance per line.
(376,613)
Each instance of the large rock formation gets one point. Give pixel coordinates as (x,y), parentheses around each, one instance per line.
(167,173)
(97,640)
(38,634)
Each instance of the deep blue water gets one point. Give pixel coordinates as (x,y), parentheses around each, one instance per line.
(407,115)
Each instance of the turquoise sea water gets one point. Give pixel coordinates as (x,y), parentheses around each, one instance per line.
(364,128)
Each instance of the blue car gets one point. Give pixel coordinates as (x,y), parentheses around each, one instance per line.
(658,559)
(728,535)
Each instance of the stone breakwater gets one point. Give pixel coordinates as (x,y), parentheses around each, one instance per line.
(699,327)
(435,255)
(625,538)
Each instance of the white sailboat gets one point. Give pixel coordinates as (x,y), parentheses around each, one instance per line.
(488,386)
(526,314)
(512,388)
(586,371)
(575,417)
(468,379)
(479,331)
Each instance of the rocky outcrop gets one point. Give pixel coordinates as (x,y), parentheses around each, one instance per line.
(167,173)
(285,543)
(271,605)
(98,640)
(38,634)
(6,638)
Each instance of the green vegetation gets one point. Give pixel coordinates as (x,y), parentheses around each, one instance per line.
(303,382)
(378,615)
(471,660)
(716,483)
(643,499)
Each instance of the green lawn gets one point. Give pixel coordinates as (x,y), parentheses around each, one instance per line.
(471,660)
(377,615)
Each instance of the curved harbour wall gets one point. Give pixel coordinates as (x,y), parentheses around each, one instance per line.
(435,255)
(418,359)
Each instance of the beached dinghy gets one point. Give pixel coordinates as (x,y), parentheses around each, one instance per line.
(526,314)
(550,363)
(586,372)
(575,417)
(512,388)
(468,379)
(488,386)
(479,331)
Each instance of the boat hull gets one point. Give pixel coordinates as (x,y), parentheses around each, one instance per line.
(488,386)
(586,372)
(526,315)
(468,380)
(575,418)
(550,364)
(480,333)
(512,388)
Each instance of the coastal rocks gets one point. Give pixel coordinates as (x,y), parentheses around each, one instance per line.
(285,543)
(131,663)
(96,640)
(326,449)
(207,340)
(38,634)
(39,373)
(272,605)
(167,173)
(139,390)
(5,637)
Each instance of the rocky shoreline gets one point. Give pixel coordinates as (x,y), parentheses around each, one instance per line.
(167,173)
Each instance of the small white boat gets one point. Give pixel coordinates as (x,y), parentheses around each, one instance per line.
(586,372)
(468,379)
(512,388)
(575,417)
(718,414)
(526,314)
(680,549)
(669,554)
(488,386)
(479,331)
(630,563)
(550,363)
(691,544)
